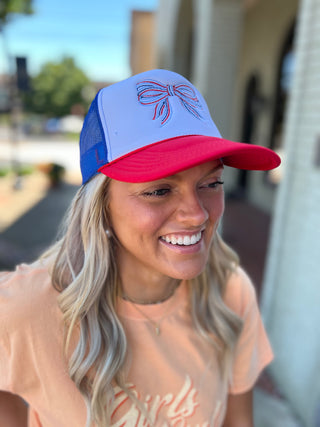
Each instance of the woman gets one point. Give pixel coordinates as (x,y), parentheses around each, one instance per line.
(139,315)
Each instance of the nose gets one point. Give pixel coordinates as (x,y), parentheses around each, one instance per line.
(191,210)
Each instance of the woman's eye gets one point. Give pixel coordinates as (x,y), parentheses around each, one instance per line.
(157,193)
(215,184)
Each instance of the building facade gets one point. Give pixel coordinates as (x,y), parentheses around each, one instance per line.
(291,300)
(142,54)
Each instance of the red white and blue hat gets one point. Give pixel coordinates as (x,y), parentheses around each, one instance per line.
(156,124)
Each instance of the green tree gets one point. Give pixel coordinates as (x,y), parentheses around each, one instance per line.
(8,8)
(57,88)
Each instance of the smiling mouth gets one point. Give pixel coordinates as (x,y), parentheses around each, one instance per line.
(182,240)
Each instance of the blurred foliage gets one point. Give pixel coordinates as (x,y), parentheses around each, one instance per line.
(23,170)
(11,7)
(4,119)
(20,170)
(4,171)
(57,89)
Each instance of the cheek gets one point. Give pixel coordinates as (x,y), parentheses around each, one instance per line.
(137,220)
(216,207)
(145,222)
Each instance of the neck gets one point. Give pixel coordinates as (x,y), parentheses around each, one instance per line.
(149,294)
(152,301)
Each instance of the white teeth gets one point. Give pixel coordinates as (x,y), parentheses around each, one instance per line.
(186,240)
(193,239)
(183,241)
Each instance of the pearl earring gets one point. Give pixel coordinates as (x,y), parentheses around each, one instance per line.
(108,233)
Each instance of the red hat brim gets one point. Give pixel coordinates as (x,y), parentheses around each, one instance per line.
(174,155)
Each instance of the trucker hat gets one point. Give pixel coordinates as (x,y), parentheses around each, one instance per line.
(153,125)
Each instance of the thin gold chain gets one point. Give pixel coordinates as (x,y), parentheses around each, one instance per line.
(156,325)
(135,304)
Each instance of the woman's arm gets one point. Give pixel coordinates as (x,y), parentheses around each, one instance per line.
(13,411)
(239,410)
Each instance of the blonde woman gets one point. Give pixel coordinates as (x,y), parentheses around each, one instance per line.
(140,314)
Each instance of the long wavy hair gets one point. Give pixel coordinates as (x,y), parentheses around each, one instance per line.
(84,271)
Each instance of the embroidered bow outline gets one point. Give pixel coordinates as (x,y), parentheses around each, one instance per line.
(151,92)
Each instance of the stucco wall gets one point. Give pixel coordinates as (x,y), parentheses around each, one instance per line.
(265,27)
(166,18)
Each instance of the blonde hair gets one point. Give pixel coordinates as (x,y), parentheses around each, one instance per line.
(85,273)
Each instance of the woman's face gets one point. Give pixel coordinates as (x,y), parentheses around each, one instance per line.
(165,227)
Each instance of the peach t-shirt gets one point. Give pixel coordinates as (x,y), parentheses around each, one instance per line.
(174,374)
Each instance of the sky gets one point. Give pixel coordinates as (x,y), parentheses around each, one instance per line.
(95,33)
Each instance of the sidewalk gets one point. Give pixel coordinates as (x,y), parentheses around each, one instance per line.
(29,220)
(30,217)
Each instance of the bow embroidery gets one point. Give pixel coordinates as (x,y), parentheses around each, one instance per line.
(151,92)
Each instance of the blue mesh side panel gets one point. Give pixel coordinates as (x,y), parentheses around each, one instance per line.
(93,149)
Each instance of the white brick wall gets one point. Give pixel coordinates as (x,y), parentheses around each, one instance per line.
(291,299)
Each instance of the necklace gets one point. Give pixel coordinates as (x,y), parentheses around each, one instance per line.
(135,304)
(156,325)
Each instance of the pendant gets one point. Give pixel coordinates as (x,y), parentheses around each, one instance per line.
(157,328)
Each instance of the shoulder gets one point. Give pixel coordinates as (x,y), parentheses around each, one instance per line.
(30,326)
(240,294)
(25,291)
